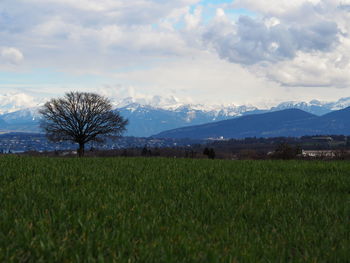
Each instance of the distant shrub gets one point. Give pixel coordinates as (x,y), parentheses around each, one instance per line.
(286,152)
(146,152)
(248,154)
(210,152)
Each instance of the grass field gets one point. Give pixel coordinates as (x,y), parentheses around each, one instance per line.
(173,210)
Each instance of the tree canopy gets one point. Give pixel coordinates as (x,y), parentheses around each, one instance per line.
(81,117)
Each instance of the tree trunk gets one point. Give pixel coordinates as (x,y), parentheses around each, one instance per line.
(81,149)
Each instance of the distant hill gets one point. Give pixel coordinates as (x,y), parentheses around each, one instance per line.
(291,122)
(26,120)
(2,123)
(337,122)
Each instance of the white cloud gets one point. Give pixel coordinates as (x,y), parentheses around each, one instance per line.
(96,35)
(300,43)
(11,102)
(110,11)
(273,7)
(193,20)
(206,79)
(313,70)
(159,46)
(10,55)
(254,40)
(220,13)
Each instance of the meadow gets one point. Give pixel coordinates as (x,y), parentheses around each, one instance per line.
(173,210)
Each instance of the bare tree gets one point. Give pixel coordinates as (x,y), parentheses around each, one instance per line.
(81,117)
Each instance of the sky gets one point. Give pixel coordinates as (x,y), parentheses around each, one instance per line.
(212,52)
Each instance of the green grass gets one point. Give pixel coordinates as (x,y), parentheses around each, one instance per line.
(172,210)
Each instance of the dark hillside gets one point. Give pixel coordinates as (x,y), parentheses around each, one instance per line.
(289,122)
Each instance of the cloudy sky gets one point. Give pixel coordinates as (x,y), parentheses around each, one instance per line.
(211,51)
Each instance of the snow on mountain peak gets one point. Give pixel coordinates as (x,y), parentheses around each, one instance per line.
(29,114)
(172,103)
(157,102)
(12,102)
(317,102)
(341,104)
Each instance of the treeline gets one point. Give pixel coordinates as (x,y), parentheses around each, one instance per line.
(283,151)
(307,147)
(329,142)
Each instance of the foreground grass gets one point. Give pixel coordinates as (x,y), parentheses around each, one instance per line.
(166,210)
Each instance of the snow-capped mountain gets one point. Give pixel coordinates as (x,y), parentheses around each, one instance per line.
(12,102)
(173,104)
(158,102)
(145,120)
(26,120)
(20,116)
(284,123)
(340,104)
(315,106)
(157,114)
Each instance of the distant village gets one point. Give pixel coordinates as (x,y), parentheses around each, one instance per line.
(33,142)
(325,147)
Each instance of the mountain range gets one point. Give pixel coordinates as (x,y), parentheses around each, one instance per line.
(284,123)
(159,115)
